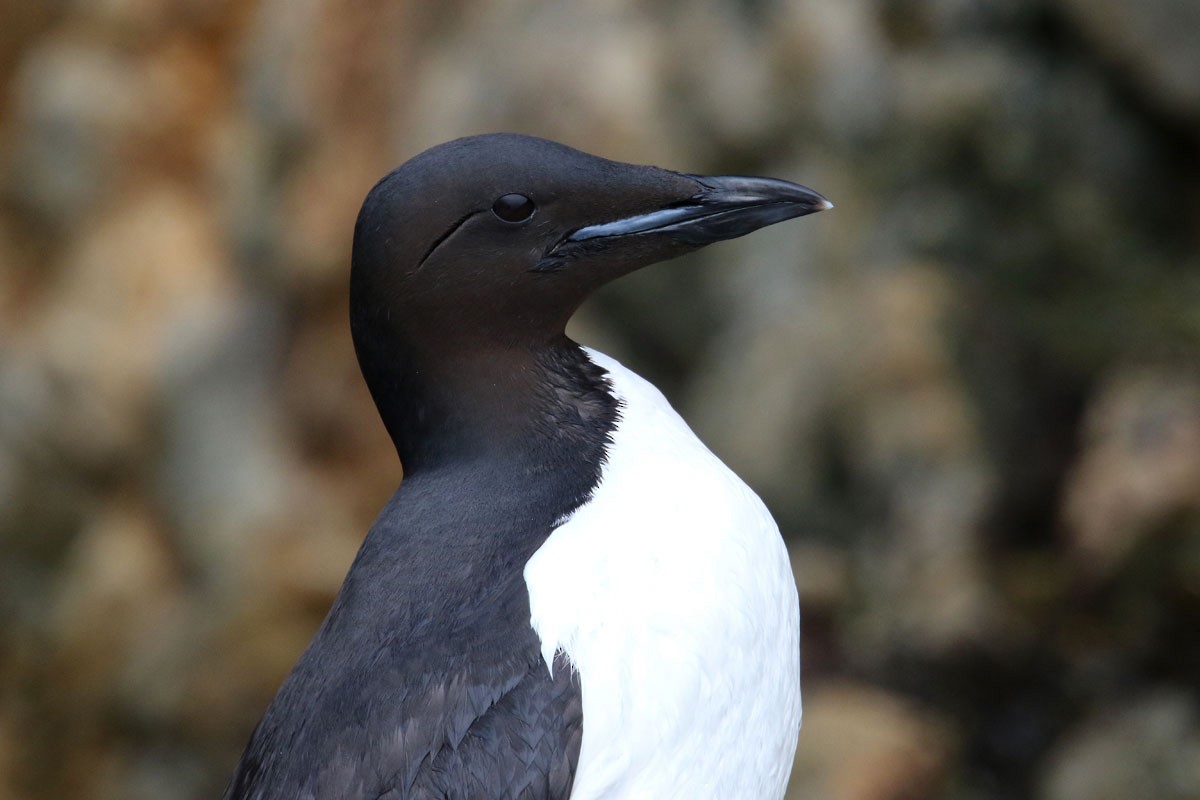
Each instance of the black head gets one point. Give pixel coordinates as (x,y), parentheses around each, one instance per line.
(489,243)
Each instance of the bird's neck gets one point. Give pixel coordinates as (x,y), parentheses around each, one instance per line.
(445,405)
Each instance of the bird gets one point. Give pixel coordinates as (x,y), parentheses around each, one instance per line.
(569,595)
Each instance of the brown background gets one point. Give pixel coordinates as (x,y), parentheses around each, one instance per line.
(971,393)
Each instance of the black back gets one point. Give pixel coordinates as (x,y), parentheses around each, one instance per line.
(426,679)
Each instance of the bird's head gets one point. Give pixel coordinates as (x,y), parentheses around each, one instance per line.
(470,258)
(499,238)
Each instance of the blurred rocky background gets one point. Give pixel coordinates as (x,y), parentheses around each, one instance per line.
(971,393)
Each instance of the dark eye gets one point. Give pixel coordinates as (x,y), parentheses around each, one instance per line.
(513,207)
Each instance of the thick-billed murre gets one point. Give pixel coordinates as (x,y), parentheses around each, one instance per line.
(568,596)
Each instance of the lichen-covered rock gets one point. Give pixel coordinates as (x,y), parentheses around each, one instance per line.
(861,743)
(1148,747)
(1140,463)
(1152,43)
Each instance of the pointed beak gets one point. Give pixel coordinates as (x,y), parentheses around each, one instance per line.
(725,207)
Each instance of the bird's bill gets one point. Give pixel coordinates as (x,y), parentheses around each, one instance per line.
(725,207)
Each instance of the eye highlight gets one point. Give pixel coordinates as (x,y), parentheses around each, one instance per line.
(513,207)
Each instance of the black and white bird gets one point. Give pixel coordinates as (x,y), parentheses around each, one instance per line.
(568,596)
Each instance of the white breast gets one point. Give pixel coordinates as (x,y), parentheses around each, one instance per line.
(672,595)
